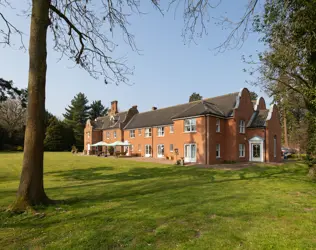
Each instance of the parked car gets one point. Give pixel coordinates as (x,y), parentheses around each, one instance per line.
(287,151)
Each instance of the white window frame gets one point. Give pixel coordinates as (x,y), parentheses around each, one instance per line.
(139,132)
(171,128)
(190,125)
(190,159)
(171,148)
(148,132)
(161,131)
(132,133)
(114,134)
(242,126)
(274,146)
(242,150)
(88,133)
(163,155)
(218,149)
(107,135)
(146,150)
(132,148)
(218,125)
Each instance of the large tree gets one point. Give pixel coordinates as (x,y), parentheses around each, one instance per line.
(83,31)
(97,110)
(289,29)
(76,116)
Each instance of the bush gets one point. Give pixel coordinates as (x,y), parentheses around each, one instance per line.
(19,148)
(297,156)
(111,150)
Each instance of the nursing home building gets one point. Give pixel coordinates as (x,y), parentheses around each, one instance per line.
(215,130)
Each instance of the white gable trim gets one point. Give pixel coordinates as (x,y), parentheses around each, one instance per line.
(238,99)
(270,112)
(257,103)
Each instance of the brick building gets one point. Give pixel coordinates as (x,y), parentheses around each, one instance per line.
(224,128)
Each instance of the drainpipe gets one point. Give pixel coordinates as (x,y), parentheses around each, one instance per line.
(265,145)
(152,142)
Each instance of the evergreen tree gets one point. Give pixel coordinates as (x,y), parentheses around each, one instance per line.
(253,96)
(59,137)
(97,110)
(195,97)
(76,116)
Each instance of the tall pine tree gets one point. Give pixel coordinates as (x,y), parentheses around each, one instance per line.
(97,110)
(75,117)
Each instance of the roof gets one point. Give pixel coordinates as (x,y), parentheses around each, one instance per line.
(220,106)
(258,119)
(106,122)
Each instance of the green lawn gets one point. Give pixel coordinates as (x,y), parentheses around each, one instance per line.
(116,204)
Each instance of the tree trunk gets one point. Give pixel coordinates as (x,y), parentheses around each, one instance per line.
(286,140)
(31,190)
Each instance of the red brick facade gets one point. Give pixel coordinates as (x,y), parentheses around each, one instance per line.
(214,139)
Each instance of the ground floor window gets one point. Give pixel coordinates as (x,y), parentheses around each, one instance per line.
(171,147)
(274,146)
(242,150)
(147,150)
(160,150)
(190,152)
(218,150)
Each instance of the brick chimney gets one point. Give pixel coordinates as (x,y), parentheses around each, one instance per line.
(114,109)
(154,108)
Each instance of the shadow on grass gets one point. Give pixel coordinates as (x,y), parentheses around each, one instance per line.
(148,181)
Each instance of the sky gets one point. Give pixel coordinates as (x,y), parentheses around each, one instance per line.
(166,72)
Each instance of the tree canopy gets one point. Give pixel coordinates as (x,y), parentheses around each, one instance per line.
(97,110)
(195,97)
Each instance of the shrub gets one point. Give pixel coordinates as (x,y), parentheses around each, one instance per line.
(19,148)
(111,150)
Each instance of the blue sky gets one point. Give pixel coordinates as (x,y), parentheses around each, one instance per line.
(167,72)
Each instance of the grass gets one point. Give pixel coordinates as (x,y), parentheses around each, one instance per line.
(116,204)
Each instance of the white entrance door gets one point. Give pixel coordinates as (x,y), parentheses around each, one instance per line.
(256,150)
(190,152)
(160,151)
(147,150)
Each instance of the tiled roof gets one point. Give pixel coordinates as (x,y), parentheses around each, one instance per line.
(105,122)
(220,106)
(258,119)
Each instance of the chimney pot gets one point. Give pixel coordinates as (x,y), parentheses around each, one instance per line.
(134,107)
(154,108)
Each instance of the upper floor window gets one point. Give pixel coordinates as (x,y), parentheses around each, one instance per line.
(161,131)
(171,129)
(139,131)
(114,134)
(147,132)
(242,126)
(218,150)
(218,125)
(132,133)
(190,125)
(107,135)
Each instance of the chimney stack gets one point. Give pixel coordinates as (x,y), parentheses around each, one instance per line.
(154,108)
(114,107)
(134,107)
